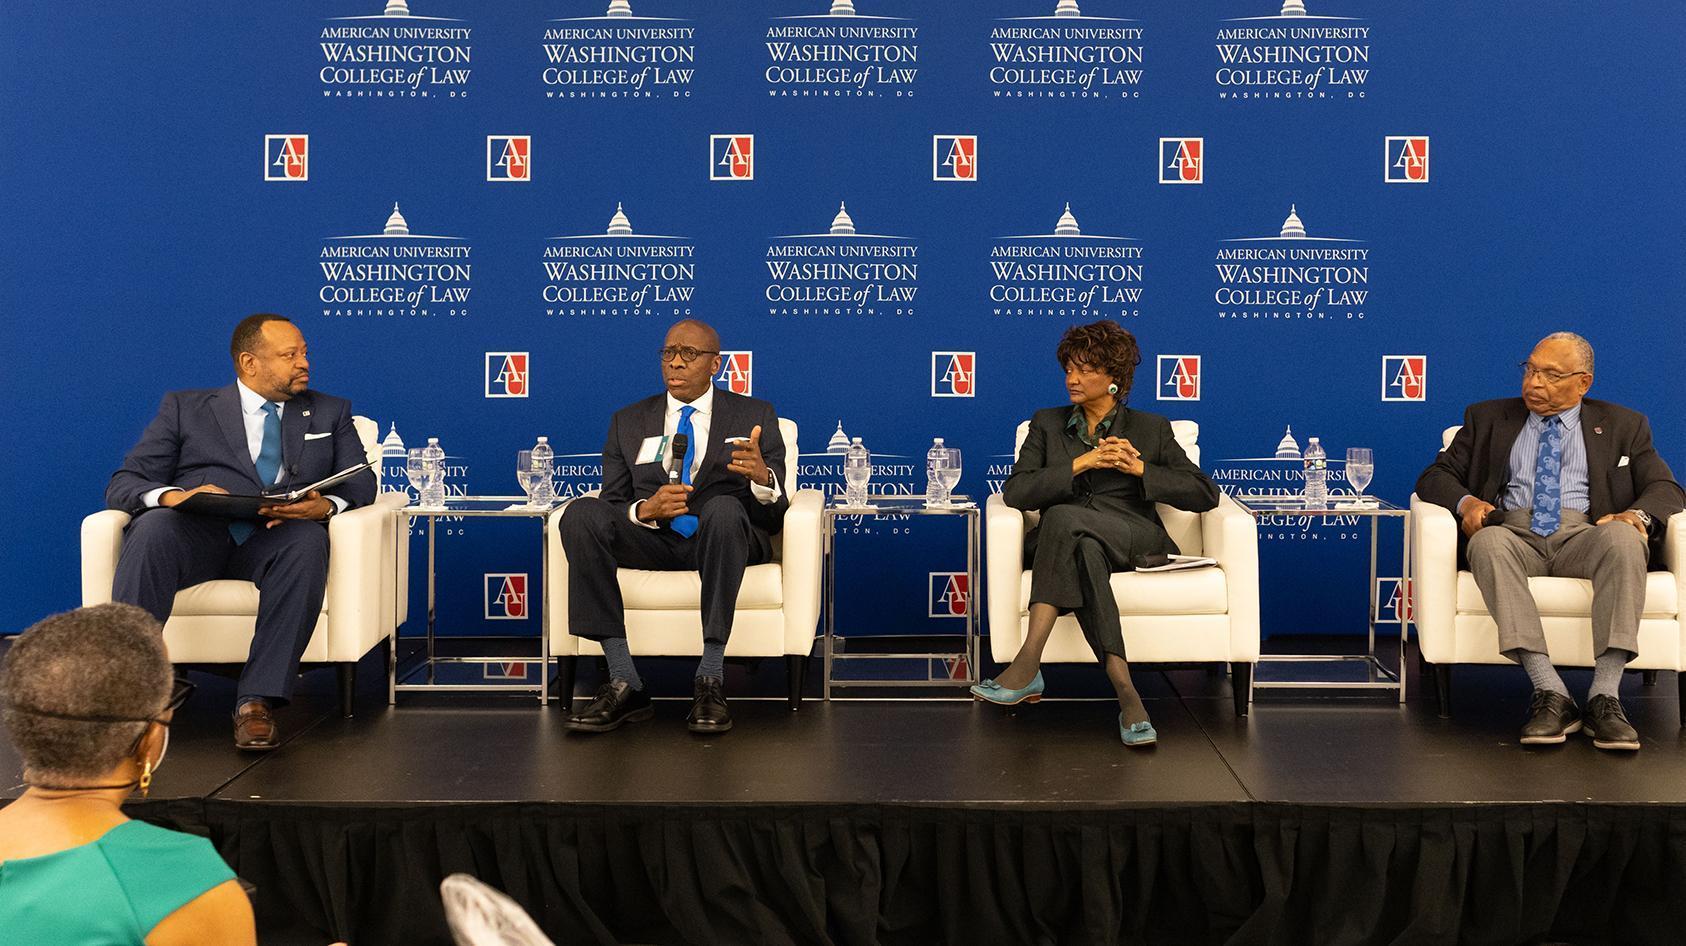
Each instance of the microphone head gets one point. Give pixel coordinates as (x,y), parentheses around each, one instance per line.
(677,448)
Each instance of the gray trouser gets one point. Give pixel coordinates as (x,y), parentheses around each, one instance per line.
(1612,555)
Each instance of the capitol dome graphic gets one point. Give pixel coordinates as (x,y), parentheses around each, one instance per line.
(1293,8)
(396,8)
(393,445)
(1067,8)
(839,442)
(618,224)
(1292,228)
(842,8)
(396,225)
(1288,448)
(842,224)
(619,8)
(1067,227)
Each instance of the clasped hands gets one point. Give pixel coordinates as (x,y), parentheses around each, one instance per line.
(672,499)
(1474,517)
(311,506)
(1112,453)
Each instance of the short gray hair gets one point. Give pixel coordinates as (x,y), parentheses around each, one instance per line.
(1583,348)
(104,661)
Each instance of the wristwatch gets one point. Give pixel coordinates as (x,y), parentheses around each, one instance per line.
(333,510)
(1644,517)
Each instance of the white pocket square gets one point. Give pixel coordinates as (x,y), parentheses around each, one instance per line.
(1622,462)
(329,433)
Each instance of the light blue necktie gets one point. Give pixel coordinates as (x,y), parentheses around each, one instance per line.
(268,464)
(1548,479)
(686,525)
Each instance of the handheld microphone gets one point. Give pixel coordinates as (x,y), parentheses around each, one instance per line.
(676,450)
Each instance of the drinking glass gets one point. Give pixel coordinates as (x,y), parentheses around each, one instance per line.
(1360,469)
(415,469)
(857,473)
(527,474)
(950,473)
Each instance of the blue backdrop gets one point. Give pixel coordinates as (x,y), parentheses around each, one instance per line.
(1467,177)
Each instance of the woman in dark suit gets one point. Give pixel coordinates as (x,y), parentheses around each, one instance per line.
(1094,470)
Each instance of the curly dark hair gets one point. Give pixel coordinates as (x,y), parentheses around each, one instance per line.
(1103,346)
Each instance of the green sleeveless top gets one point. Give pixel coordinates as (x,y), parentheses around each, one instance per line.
(108,892)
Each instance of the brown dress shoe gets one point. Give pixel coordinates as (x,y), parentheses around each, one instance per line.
(254,727)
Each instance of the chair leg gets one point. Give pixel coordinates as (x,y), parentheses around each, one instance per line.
(795,666)
(348,686)
(1443,688)
(565,682)
(1241,681)
(1680,683)
(1649,677)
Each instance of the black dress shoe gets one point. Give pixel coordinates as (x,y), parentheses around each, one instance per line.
(616,702)
(1551,718)
(708,710)
(1608,725)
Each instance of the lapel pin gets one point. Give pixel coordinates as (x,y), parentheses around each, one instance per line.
(1597,430)
(307,414)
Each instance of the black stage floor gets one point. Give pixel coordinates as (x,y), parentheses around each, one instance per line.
(1339,821)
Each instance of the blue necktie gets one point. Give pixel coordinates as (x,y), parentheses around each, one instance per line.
(686,525)
(1548,479)
(268,464)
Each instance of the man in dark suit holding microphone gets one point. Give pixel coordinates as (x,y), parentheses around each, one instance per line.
(710,502)
(267,431)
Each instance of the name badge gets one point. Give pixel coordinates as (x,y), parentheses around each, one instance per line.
(652,450)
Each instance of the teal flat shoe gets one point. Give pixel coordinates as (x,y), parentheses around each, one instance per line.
(991,692)
(1137,734)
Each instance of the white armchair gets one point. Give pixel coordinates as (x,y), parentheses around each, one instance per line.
(212,622)
(1454,626)
(778,604)
(1208,614)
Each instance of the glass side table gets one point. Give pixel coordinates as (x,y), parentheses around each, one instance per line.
(469,507)
(1377,676)
(877,506)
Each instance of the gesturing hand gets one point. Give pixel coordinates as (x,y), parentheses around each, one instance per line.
(747,459)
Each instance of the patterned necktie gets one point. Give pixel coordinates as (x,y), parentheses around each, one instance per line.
(1548,479)
(686,525)
(268,464)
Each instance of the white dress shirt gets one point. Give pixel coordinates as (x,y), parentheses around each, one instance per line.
(252,415)
(700,424)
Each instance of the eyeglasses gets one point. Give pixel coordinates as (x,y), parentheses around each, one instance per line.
(684,353)
(1549,377)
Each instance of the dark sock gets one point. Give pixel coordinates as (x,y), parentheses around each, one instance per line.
(620,662)
(713,663)
(242,701)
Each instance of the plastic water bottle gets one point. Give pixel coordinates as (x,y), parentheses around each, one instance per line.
(936,494)
(857,472)
(1316,473)
(433,474)
(544,462)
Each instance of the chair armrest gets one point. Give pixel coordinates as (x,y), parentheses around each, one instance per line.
(1674,558)
(562,643)
(1230,535)
(1434,578)
(102,540)
(361,576)
(801,570)
(1004,529)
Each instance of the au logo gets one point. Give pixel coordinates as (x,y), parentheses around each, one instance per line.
(1393,601)
(731,157)
(953,374)
(1405,159)
(1182,160)
(954,157)
(506,596)
(737,372)
(506,374)
(950,596)
(1179,378)
(1404,377)
(509,158)
(286,157)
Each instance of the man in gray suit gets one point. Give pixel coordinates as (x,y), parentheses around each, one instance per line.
(265,431)
(1554,483)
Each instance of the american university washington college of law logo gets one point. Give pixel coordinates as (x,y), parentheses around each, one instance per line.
(620,270)
(949,596)
(1393,601)
(619,53)
(506,374)
(954,157)
(1405,159)
(1404,377)
(1068,272)
(1179,378)
(396,271)
(1295,53)
(731,157)
(395,53)
(1058,51)
(286,157)
(737,372)
(1182,160)
(1295,275)
(509,158)
(953,374)
(506,596)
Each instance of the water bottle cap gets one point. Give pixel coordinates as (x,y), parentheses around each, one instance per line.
(937,441)
(544,440)
(1313,440)
(432,440)
(857,440)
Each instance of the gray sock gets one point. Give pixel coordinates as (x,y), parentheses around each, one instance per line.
(1542,672)
(1607,673)
(713,663)
(620,661)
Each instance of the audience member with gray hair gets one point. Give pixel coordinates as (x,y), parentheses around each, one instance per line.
(87,700)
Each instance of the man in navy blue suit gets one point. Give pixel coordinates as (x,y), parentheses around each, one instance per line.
(265,431)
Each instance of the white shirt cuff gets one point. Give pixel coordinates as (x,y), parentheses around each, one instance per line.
(150,498)
(632,513)
(340,504)
(766,495)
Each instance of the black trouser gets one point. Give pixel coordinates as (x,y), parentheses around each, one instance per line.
(165,551)
(598,538)
(1072,555)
